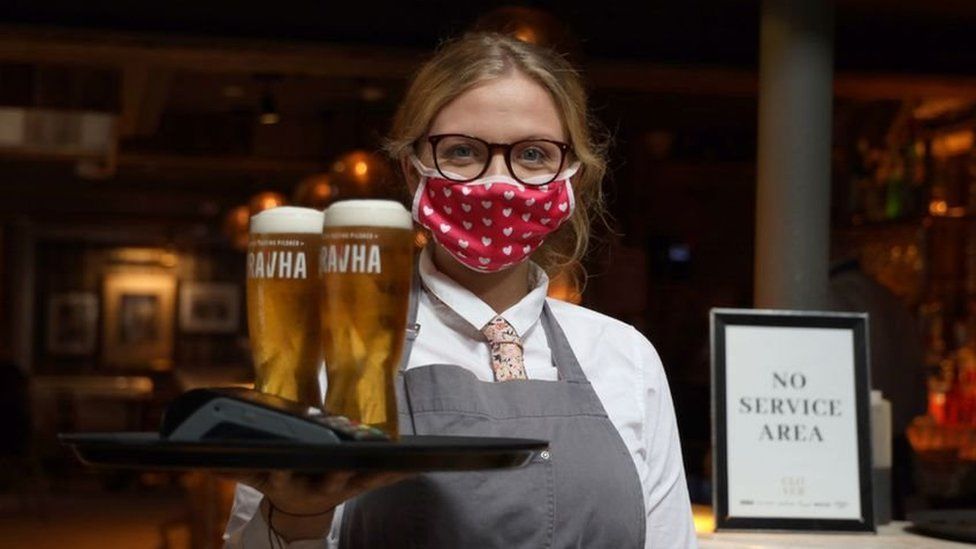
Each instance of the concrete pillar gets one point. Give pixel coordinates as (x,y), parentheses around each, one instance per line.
(793,165)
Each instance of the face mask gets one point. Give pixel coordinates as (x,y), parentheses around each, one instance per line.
(494,222)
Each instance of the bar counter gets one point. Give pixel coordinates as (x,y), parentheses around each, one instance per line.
(890,536)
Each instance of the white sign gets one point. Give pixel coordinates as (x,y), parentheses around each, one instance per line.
(791,420)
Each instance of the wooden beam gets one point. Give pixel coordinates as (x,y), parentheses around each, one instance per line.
(903,86)
(210,55)
(651,78)
(117,50)
(227,164)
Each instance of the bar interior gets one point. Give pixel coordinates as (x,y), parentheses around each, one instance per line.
(763,155)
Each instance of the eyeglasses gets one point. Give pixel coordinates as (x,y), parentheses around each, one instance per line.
(463,158)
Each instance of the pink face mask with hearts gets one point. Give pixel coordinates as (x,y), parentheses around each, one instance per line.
(493,222)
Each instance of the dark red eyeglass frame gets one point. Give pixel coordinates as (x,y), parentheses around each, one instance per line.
(492,147)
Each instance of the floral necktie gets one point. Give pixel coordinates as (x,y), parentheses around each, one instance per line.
(506,350)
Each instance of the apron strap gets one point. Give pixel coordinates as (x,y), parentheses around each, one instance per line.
(413,329)
(563,357)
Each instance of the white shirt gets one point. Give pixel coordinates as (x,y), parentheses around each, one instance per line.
(620,363)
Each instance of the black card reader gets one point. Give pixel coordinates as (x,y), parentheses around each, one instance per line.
(230,413)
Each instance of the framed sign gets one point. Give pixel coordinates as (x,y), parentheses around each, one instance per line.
(791,420)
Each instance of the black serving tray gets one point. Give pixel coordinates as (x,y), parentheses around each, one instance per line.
(146,450)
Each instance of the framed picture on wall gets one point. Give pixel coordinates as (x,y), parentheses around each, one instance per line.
(72,323)
(138,320)
(209,307)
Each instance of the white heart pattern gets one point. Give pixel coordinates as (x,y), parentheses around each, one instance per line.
(466,207)
(544,188)
(463,243)
(486,204)
(467,224)
(530,202)
(509,195)
(547,205)
(544,221)
(488,186)
(526,235)
(465,191)
(507,231)
(507,212)
(563,206)
(526,249)
(486,241)
(447,192)
(507,250)
(484,260)
(428,210)
(430,192)
(447,210)
(445,227)
(486,221)
(526,217)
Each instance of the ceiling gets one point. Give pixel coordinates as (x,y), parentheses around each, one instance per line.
(931,36)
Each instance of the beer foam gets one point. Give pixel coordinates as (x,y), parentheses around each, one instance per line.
(368,213)
(287,219)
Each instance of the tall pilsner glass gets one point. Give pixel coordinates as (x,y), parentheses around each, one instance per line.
(366,264)
(283,302)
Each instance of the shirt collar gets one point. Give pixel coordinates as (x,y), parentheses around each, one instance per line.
(522,315)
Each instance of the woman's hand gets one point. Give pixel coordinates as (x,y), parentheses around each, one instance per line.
(300,506)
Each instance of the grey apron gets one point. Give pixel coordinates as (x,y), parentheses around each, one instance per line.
(583,492)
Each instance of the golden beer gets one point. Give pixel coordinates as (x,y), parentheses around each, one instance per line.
(283,302)
(366,266)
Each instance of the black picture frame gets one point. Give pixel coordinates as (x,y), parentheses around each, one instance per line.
(720,319)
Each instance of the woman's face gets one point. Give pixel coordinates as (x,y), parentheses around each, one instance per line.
(506,109)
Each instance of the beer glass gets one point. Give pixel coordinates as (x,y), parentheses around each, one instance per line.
(283,302)
(366,265)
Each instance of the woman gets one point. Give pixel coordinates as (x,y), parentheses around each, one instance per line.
(496,148)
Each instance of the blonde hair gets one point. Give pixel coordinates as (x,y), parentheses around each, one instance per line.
(461,64)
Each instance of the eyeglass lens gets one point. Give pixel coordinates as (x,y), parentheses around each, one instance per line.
(463,158)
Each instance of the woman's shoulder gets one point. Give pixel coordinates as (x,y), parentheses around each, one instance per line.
(609,334)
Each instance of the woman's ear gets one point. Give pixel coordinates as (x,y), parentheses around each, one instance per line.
(410,174)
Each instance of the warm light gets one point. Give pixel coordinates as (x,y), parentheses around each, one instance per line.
(938,207)
(530,25)
(934,108)
(269,118)
(269,110)
(168,259)
(362,173)
(420,239)
(527,34)
(952,144)
(235,227)
(704,519)
(361,168)
(563,286)
(315,191)
(265,201)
